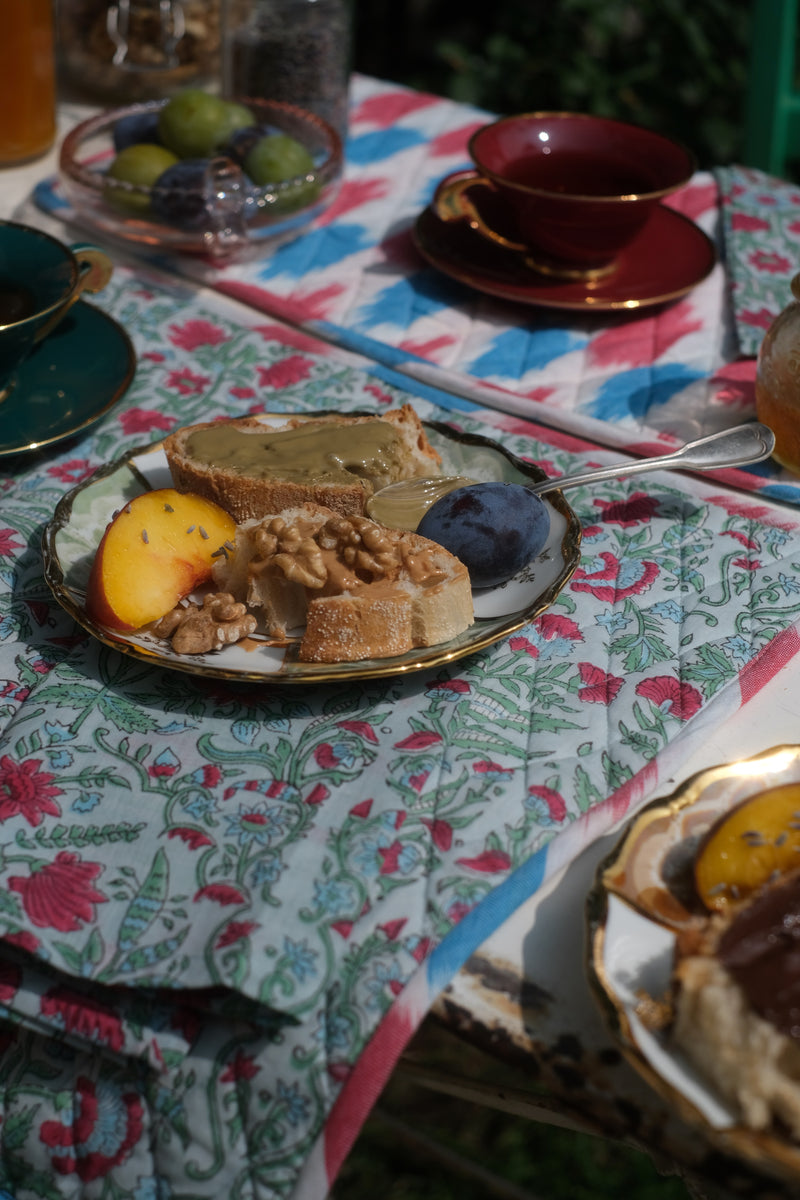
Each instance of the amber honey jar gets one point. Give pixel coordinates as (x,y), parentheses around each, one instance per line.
(27,80)
(778,382)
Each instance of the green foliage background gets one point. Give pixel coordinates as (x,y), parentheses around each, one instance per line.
(677,66)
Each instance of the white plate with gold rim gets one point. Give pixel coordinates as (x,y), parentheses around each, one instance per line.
(642,896)
(71,539)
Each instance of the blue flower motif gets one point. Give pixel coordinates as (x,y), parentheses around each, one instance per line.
(740,650)
(86,802)
(670,610)
(788,583)
(334,896)
(366,859)
(300,959)
(267,869)
(198,805)
(60,759)
(245,732)
(56,732)
(333,1031)
(383,978)
(297,1107)
(408,858)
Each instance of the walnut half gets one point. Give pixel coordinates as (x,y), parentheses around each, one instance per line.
(196,629)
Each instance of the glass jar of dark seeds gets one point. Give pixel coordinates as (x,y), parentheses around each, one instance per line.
(295,51)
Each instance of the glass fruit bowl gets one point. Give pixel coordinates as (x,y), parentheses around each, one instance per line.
(218,212)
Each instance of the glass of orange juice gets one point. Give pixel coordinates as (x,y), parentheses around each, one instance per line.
(27,80)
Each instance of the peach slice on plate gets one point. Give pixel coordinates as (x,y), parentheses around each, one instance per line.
(745,847)
(157,550)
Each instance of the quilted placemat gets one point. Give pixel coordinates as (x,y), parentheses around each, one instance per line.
(226,908)
(640,381)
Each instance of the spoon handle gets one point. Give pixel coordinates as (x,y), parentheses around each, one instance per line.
(730,448)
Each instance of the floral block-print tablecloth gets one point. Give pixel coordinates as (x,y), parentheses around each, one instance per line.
(639,381)
(224,909)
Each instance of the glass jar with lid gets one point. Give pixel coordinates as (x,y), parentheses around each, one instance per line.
(293,51)
(122,51)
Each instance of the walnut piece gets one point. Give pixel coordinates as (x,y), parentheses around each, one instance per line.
(196,629)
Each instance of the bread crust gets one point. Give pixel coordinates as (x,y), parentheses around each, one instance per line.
(361,590)
(247,496)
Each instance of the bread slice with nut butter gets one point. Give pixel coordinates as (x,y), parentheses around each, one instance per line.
(362,591)
(251,468)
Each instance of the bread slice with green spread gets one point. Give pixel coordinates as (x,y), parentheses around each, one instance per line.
(251,468)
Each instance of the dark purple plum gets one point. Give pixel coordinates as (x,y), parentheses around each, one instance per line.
(242,141)
(494,528)
(135,129)
(179,195)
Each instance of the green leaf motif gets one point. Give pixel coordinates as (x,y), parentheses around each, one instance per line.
(147,903)
(17,1126)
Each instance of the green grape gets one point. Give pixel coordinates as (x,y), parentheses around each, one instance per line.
(140,164)
(193,123)
(275,158)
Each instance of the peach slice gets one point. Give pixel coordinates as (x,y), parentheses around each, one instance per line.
(154,552)
(746,846)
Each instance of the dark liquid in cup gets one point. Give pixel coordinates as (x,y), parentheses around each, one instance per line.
(16,302)
(579,175)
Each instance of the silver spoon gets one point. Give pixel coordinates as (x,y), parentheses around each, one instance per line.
(403,504)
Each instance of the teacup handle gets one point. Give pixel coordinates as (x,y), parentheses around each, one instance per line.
(452,202)
(94,272)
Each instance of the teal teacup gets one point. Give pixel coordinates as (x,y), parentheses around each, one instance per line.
(40,280)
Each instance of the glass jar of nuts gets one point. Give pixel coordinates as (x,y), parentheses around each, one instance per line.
(129,50)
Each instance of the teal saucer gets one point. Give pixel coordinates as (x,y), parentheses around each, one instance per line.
(75,376)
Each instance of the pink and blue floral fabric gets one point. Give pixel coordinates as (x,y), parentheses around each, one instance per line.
(225,908)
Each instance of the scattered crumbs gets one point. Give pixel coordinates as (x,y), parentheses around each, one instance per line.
(115,514)
(229,545)
(203,533)
(168,508)
(718,889)
(781,838)
(127,508)
(219,553)
(145,538)
(753,838)
(191,529)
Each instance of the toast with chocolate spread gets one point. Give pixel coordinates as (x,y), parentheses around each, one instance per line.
(251,468)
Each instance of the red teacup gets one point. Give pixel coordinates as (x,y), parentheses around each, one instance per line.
(576,188)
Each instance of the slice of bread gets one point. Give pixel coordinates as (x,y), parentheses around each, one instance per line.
(361,590)
(342,460)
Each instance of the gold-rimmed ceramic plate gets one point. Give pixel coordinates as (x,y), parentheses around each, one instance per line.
(641,898)
(70,540)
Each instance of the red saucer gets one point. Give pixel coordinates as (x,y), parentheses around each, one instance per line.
(666,260)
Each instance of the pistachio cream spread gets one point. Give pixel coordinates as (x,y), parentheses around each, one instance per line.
(312,453)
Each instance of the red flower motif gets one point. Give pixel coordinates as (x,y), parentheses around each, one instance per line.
(760,320)
(556,808)
(598,687)
(325,757)
(772,263)
(71,472)
(242,1067)
(550,626)
(681,700)
(60,895)
(233,932)
(197,332)
(27,791)
(418,741)
(636,510)
(362,728)
(186,382)
(606,583)
(24,939)
(77,1013)
(748,223)
(391,857)
(293,369)
(100,1116)
(362,809)
(223,893)
(139,420)
(243,393)
(317,794)
(441,832)
(194,838)
(525,644)
(747,564)
(7,544)
(489,861)
(10,979)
